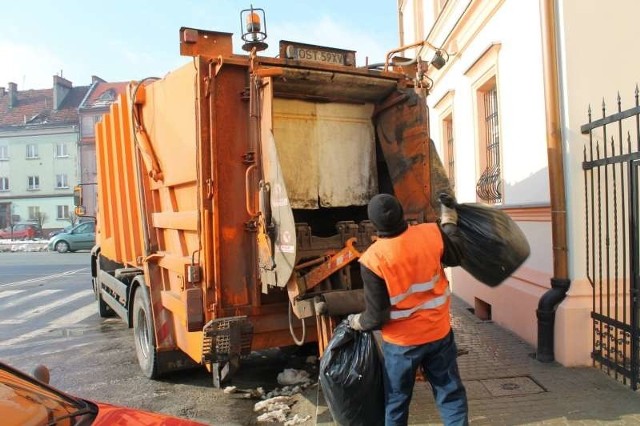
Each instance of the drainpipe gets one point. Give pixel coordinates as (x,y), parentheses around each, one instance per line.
(401,21)
(560,282)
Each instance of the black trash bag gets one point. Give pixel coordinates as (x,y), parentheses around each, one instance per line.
(351,378)
(494,244)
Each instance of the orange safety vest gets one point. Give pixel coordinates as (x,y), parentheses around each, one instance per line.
(418,288)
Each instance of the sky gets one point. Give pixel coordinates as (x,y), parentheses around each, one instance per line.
(123,40)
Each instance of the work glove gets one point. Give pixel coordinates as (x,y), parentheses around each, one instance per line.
(354,322)
(448,213)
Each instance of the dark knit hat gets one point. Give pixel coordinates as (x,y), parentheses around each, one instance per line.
(386,214)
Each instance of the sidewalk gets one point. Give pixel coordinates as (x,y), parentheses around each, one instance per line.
(507,386)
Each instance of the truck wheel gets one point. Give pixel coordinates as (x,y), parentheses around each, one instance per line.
(62,247)
(103,309)
(144,334)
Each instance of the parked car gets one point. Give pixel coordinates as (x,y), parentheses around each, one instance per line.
(21,231)
(58,231)
(80,237)
(29,400)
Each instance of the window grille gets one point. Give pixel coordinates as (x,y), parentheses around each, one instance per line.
(489,186)
(4,183)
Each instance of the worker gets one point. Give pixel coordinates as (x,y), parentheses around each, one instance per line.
(407,296)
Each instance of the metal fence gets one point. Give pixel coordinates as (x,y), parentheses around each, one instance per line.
(611,179)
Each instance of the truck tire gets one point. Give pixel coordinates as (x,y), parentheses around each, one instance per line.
(144,334)
(103,309)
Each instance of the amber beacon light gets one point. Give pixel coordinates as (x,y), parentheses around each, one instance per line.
(253,33)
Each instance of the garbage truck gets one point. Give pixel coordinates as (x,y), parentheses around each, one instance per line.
(232,194)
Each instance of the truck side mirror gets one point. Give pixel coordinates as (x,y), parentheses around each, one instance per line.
(77,196)
(79,209)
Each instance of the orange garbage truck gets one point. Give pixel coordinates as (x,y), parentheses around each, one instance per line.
(233,191)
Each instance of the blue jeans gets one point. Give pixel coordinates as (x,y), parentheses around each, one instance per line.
(438,361)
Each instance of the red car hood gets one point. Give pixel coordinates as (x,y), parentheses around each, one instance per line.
(110,415)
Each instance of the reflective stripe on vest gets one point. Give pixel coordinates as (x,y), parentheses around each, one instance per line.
(430,304)
(415,288)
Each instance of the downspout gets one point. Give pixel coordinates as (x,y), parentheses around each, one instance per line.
(401,21)
(560,282)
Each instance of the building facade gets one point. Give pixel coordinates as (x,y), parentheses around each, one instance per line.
(39,132)
(509,112)
(99,98)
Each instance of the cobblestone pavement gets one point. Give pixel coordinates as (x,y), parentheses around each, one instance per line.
(507,386)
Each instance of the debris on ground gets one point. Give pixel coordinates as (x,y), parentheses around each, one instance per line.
(291,376)
(274,416)
(277,403)
(297,419)
(272,403)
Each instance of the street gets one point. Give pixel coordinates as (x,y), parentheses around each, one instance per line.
(48,315)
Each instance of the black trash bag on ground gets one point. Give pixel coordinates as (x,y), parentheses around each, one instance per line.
(351,378)
(494,244)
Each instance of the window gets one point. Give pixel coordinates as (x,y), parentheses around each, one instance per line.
(486,93)
(447,128)
(86,228)
(34,183)
(4,152)
(4,183)
(489,186)
(444,110)
(63,212)
(32,151)
(61,150)
(62,181)
(34,212)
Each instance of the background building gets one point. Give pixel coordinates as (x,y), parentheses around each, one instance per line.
(38,153)
(510,115)
(100,96)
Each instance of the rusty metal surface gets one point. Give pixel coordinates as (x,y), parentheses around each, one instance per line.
(414,166)
(235,258)
(337,261)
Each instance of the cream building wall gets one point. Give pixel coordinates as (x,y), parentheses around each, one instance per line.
(46,166)
(503,38)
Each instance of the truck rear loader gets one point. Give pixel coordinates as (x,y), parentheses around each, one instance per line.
(232,194)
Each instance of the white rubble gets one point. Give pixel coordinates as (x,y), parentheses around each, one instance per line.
(291,376)
(297,419)
(229,389)
(272,403)
(274,416)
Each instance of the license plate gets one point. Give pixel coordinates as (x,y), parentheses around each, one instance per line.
(317,55)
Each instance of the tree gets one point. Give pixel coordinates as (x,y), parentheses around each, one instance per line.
(40,218)
(73,218)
